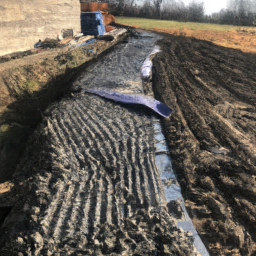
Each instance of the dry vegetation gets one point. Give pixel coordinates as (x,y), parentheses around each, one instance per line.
(243,38)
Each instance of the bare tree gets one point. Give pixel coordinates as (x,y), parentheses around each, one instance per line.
(157,4)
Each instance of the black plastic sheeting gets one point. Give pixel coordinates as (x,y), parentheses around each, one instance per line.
(92,23)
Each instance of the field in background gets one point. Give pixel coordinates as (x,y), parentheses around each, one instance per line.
(236,37)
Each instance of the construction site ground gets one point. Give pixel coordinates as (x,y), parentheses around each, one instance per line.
(29,84)
(212,137)
(88,182)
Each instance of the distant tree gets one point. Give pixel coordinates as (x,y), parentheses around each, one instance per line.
(196,11)
(157,5)
(174,10)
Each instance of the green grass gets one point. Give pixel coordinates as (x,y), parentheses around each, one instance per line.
(150,24)
(31,85)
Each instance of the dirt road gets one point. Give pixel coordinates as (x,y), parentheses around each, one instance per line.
(212,137)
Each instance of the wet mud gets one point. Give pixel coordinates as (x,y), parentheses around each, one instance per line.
(212,137)
(88,183)
(29,85)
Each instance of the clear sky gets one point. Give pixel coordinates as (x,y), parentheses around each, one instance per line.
(212,5)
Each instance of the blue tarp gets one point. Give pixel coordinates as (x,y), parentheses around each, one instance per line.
(148,101)
(92,23)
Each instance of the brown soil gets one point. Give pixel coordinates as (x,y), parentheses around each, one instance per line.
(243,39)
(108,18)
(212,137)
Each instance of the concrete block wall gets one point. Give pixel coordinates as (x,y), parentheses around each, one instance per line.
(24,22)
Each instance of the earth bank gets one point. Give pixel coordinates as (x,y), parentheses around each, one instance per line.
(29,84)
(212,137)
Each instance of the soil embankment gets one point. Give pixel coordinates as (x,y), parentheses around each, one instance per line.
(88,183)
(28,85)
(211,137)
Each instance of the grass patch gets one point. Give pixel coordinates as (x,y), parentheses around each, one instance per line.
(3,129)
(151,24)
(31,85)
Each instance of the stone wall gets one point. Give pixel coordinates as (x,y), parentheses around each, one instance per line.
(24,22)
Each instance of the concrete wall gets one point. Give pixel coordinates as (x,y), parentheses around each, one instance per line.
(24,22)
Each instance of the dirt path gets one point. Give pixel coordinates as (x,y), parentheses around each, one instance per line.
(212,137)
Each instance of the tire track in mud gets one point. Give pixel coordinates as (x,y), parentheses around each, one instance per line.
(211,137)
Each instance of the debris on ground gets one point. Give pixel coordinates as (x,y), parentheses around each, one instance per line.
(105,37)
(38,44)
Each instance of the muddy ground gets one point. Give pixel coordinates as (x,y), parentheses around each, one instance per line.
(212,137)
(88,182)
(29,84)
(242,38)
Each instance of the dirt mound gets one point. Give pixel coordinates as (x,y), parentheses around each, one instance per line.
(88,183)
(212,137)
(90,186)
(29,85)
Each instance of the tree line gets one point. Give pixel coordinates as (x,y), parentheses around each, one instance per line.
(160,9)
(238,12)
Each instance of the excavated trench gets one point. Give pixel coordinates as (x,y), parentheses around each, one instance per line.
(96,178)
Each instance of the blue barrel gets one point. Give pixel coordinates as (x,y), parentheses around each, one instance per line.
(92,23)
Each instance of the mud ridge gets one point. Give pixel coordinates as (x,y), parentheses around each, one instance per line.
(211,137)
(78,200)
